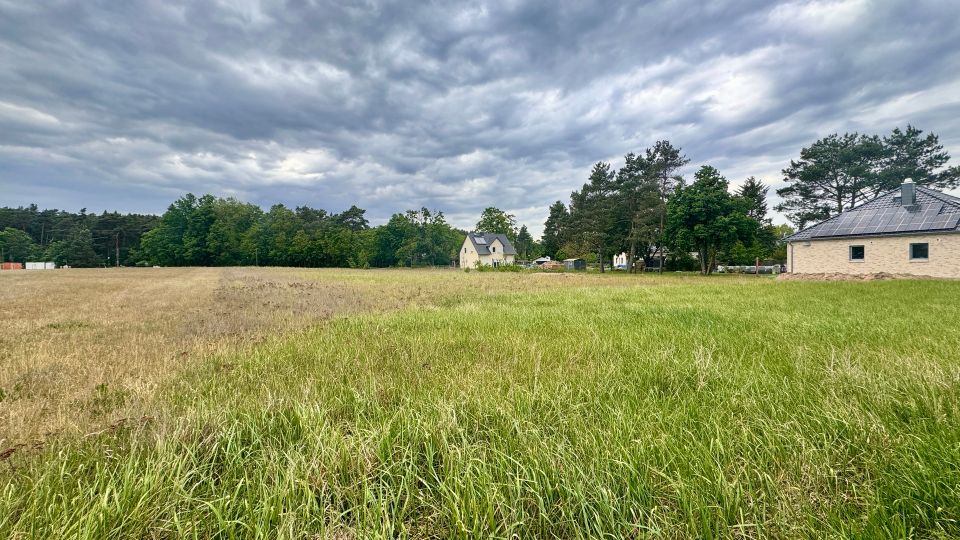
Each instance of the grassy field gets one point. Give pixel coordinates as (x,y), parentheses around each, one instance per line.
(249,403)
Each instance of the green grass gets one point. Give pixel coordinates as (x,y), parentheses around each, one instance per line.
(679,408)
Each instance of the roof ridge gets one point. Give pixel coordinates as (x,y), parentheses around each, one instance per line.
(939,195)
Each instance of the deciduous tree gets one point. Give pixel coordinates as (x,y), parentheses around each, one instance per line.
(15,245)
(704,217)
(494,220)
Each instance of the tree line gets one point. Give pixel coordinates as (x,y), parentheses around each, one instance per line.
(646,209)
(210,231)
(78,239)
(649,211)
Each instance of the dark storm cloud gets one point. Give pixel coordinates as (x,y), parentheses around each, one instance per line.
(394,105)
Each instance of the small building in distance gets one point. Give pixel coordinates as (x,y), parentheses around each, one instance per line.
(11,266)
(912,230)
(620,261)
(41,266)
(486,249)
(540,260)
(575,264)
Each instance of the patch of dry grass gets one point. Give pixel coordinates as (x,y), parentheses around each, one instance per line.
(81,350)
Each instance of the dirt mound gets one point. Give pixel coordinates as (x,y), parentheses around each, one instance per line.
(837,276)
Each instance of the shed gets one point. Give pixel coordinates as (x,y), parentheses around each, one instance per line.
(575,264)
(11,266)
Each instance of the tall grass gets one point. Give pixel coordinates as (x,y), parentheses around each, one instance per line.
(684,408)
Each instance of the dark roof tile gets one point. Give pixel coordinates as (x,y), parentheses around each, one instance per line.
(884,215)
(483,247)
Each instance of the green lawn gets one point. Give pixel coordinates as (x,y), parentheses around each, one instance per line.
(675,408)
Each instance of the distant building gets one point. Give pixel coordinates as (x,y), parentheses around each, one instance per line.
(11,266)
(541,260)
(620,261)
(487,249)
(912,230)
(41,266)
(575,264)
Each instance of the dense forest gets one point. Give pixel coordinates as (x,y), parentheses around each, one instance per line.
(646,209)
(207,231)
(78,239)
(211,231)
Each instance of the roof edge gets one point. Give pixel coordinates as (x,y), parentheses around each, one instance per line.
(876,235)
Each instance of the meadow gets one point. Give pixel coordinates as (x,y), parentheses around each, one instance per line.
(293,403)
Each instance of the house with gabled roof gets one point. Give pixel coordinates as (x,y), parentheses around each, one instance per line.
(488,249)
(911,230)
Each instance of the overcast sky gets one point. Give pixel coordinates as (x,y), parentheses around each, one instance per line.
(454,106)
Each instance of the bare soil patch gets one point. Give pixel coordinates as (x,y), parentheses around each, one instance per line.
(837,276)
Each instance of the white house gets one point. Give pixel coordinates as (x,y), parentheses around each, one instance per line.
(620,261)
(486,249)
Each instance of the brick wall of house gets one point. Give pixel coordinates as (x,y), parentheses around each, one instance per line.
(881,254)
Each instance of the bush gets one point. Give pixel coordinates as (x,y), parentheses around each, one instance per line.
(502,268)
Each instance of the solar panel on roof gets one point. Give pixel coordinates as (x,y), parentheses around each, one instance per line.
(480,240)
(898,219)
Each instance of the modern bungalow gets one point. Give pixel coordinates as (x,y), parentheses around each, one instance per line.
(486,249)
(911,230)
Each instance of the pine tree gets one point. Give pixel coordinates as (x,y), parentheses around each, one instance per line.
(555,229)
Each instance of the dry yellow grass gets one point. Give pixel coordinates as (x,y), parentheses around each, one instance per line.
(82,349)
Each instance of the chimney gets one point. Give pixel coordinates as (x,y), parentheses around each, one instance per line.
(908,193)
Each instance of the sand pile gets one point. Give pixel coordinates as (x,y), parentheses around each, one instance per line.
(837,276)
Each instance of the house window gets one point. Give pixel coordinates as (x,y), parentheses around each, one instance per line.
(919,252)
(494,249)
(464,250)
(856,253)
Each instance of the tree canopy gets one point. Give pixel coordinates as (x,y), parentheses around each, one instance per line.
(704,217)
(555,229)
(494,220)
(839,172)
(42,235)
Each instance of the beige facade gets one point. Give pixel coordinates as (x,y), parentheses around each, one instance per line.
(890,253)
(469,258)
